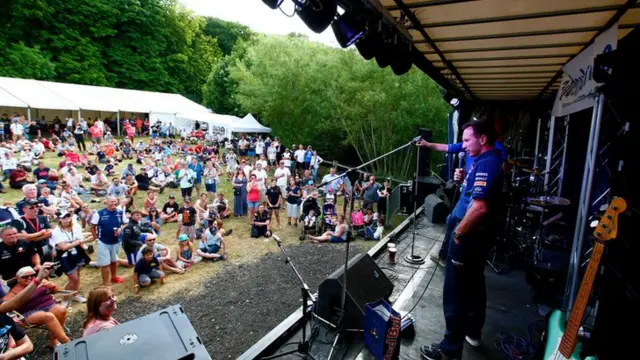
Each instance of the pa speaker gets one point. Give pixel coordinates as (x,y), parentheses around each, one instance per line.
(435,209)
(406,199)
(366,283)
(166,334)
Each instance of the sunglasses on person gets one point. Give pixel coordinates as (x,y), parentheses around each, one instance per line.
(28,277)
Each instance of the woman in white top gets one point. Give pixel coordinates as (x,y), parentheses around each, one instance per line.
(67,238)
(339,235)
(314,164)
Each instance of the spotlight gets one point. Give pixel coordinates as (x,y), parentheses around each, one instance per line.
(317,14)
(402,61)
(348,29)
(274,4)
(368,45)
(385,53)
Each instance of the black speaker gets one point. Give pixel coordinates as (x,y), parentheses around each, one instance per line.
(424,168)
(435,209)
(427,185)
(366,283)
(446,194)
(406,199)
(166,334)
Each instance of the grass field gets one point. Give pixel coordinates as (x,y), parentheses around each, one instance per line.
(241,247)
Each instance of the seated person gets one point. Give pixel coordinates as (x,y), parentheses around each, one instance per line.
(99,183)
(339,235)
(261,224)
(162,253)
(222,206)
(16,254)
(212,245)
(41,308)
(373,232)
(117,189)
(110,168)
(170,210)
(309,221)
(101,305)
(186,256)
(147,268)
(131,184)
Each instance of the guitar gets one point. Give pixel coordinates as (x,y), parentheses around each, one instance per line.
(562,343)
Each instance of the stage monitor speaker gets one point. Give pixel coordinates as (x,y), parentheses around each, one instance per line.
(446,194)
(166,334)
(435,209)
(424,168)
(366,283)
(427,185)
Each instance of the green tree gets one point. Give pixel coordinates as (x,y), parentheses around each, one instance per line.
(346,108)
(227,33)
(25,62)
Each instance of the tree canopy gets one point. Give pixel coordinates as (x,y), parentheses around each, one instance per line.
(154,45)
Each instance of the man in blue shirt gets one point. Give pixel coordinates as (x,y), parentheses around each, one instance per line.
(464,294)
(458,212)
(106,226)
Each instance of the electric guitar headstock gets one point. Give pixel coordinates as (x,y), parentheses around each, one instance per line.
(607,228)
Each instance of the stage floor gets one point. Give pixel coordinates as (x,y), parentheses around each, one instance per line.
(418,289)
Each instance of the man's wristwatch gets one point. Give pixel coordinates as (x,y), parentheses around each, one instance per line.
(456,235)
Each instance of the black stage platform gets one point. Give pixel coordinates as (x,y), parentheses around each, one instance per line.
(509,309)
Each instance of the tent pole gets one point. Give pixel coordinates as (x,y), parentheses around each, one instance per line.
(29,113)
(118,121)
(585,204)
(552,128)
(79,114)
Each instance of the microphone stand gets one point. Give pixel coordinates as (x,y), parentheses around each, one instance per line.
(414,258)
(341,323)
(304,346)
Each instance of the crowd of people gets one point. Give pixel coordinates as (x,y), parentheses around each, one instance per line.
(83,213)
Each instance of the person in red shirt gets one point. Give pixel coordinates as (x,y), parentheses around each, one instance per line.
(96,134)
(19,178)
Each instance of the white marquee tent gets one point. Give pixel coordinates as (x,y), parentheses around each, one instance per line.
(74,100)
(249,124)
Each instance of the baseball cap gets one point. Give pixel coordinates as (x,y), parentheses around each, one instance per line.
(63,214)
(183,237)
(31,202)
(172,197)
(42,181)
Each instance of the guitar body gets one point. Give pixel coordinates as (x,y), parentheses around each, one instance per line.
(555,330)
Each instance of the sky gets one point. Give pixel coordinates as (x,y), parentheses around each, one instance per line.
(259,17)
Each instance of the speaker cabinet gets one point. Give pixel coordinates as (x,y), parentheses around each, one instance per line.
(435,209)
(406,199)
(166,334)
(366,283)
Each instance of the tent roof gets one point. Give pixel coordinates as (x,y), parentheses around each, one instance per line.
(507,49)
(64,96)
(9,100)
(249,124)
(212,118)
(32,94)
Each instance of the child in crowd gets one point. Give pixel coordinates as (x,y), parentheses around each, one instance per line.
(148,268)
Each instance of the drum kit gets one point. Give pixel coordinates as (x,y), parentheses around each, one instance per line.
(534,234)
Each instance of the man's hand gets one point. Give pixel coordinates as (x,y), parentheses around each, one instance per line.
(136,289)
(423,143)
(456,240)
(459,175)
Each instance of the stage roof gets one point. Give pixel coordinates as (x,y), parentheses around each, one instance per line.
(506,49)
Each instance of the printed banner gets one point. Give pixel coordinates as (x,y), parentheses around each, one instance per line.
(578,89)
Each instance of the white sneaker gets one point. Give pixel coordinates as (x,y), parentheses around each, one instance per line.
(79,298)
(472,342)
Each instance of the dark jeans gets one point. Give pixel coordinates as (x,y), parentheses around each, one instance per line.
(452,223)
(465,295)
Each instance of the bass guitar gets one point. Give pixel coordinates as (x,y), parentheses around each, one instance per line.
(562,341)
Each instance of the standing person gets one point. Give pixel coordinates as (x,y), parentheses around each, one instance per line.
(106,227)
(293,195)
(383,197)
(458,211)
(188,215)
(315,164)
(210,177)
(198,170)
(253,196)
(464,296)
(282,175)
(274,201)
(78,134)
(187,178)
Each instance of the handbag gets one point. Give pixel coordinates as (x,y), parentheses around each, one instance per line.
(237,191)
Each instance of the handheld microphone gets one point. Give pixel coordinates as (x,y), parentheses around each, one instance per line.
(461,156)
(276,238)
(416,139)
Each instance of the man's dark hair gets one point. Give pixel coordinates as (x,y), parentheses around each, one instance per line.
(482,127)
(146,251)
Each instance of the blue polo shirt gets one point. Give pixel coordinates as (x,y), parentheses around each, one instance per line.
(143,267)
(197,168)
(106,221)
(457,148)
(483,181)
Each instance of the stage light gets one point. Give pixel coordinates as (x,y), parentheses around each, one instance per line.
(369,45)
(402,60)
(317,14)
(385,53)
(274,4)
(348,29)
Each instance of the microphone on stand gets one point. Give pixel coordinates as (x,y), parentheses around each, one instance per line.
(277,238)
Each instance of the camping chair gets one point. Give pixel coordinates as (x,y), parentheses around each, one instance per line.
(41,330)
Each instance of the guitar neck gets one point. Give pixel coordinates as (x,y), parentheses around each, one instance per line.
(570,336)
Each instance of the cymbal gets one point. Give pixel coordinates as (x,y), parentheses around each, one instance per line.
(548,201)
